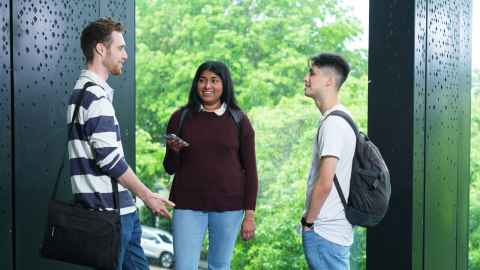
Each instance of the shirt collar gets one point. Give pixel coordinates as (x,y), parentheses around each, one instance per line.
(91,76)
(338,106)
(220,111)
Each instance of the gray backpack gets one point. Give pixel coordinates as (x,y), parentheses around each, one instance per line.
(370,187)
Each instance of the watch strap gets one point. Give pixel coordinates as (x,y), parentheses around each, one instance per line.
(306,224)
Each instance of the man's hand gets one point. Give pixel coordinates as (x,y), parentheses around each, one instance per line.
(248,225)
(306,229)
(158,205)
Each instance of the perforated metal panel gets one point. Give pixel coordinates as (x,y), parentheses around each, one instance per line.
(465,59)
(446,132)
(419,67)
(47,62)
(124,84)
(6,244)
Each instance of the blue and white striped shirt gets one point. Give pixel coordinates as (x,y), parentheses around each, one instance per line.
(95,147)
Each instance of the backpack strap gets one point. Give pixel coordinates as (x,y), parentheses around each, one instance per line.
(78,104)
(352,124)
(237,116)
(347,118)
(339,190)
(184,113)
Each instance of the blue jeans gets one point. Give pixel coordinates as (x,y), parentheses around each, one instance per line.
(131,253)
(322,254)
(189,229)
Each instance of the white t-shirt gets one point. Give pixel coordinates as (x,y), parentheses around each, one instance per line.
(335,138)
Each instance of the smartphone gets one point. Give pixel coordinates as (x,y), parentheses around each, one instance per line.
(172,136)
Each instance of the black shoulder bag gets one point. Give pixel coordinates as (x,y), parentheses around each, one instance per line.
(78,235)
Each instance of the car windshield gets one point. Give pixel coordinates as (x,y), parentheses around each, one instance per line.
(148,236)
(165,238)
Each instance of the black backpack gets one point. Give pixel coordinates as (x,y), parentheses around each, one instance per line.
(370,187)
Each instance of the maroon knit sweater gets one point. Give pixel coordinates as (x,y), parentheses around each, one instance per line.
(214,173)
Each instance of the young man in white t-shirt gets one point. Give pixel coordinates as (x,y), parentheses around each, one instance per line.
(327,235)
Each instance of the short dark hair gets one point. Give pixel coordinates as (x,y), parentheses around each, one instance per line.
(99,31)
(334,61)
(220,69)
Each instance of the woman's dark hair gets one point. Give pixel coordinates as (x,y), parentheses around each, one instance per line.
(220,69)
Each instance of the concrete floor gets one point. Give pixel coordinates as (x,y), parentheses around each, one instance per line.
(202,266)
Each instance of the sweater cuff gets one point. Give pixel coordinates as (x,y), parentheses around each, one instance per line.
(249,205)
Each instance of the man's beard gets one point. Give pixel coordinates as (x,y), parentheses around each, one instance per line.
(115,69)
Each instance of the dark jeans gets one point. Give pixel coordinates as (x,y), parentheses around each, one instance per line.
(131,253)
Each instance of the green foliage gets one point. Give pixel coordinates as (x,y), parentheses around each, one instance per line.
(282,162)
(358,257)
(267,45)
(474,226)
(476,83)
(149,157)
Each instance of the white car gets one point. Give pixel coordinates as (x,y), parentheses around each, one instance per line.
(158,245)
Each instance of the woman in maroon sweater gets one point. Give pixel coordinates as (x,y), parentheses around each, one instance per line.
(215,184)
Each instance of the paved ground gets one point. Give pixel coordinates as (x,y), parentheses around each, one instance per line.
(155,268)
(202,266)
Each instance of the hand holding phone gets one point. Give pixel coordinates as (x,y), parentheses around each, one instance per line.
(175,142)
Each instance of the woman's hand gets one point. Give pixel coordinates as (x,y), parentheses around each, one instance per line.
(248,225)
(176,144)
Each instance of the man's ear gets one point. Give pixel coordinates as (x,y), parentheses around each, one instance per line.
(331,80)
(100,49)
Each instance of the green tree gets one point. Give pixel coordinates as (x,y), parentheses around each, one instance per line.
(149,156)
(266,44)
(474,226)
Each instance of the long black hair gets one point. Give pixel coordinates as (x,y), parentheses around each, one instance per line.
(221,70)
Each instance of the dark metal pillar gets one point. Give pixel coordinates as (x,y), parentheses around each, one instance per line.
(6,219)
(419,111)
(47,60)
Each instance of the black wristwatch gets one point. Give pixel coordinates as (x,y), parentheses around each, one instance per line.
(306,224)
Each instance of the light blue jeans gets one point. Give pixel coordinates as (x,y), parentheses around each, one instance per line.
(322,254)
(189,229)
